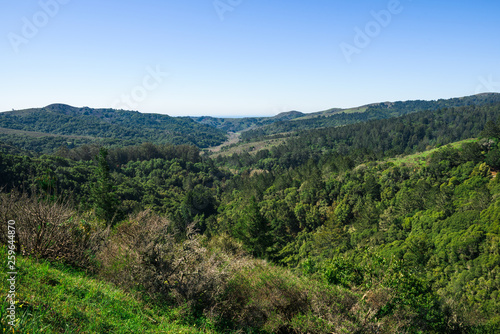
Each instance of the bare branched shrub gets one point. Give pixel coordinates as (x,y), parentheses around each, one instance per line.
(189,272)
(228,245)
(143,252)
(7,202)
(121,260)
(217,279)
(269,297)
(49,229)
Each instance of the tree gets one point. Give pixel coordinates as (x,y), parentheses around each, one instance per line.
(253,230)
(103,193)
(491,130)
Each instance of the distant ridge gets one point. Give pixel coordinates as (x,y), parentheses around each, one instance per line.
(58,124)
(381,110)
(254,123)
(118,125)
(288,115)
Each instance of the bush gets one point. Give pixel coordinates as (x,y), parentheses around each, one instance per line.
(218,282)
(49,228)
(343,271)
(274,299)
(143,253)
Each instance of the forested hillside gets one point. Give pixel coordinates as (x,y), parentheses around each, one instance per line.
(371,112)
(373,140)
(245,123)
(76,126)
(336,230)
(59,126)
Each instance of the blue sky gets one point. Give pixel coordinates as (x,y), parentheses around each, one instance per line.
(244,57)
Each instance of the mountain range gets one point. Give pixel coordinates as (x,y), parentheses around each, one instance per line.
(43,130)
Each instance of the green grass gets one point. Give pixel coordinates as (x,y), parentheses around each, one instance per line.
(57,299)
(331,112)
(420,158)
(251,148)
(355,110)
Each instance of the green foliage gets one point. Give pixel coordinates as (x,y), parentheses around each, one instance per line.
(437,219)
(343,271)
(46,129)
(375,111)
(413,298)
(491,130)
(102,191)
(252,229)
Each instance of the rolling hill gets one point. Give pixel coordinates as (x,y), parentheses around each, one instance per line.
(44,130)
(59,122)
(339,117)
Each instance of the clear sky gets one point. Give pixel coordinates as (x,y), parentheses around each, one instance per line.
(244,57)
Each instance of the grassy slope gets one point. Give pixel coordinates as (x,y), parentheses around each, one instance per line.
(420,158)
(56,299)
(330,112)
(243,147)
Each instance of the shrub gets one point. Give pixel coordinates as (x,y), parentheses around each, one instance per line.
(143,253)
(274,299)
(49,228)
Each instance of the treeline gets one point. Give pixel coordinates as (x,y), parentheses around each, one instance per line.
(37,144)
(123,155)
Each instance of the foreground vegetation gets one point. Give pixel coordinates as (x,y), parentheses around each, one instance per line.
(54,298)
(194,285)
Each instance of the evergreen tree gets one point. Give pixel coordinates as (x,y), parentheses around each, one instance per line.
(491,130)
(103,193)
(253,230)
